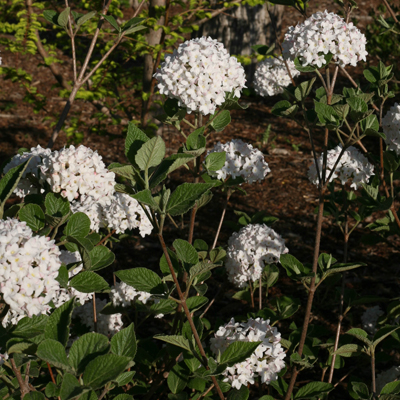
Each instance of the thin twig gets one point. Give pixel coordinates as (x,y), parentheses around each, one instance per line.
(94,313)
(106,237)
(22,385)
(188,315)
(228,195)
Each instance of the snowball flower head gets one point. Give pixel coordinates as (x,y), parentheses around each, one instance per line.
(271,76)
(249,250)
(125,213)
(352,165)
(266,361)
(25,186)
(370,318)
(199,74)
(391,128)
(76,172)
(106,324)
(241,160)
(28,270)
(321,34)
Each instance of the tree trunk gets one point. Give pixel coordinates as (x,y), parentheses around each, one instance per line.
(153,39)
(241,27)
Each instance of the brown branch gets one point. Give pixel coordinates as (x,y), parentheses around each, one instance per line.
(391,12)
(106,237)
(24,387)
(188,315)
(228,195)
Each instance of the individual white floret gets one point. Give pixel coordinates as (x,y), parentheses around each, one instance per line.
(199,74)
(266,361)
(249,250)
(28,269)
(321,34)
(271,76)
(391,128)
(124,213)
(241,160)
(76,172)
(122,295)
(26,185)
(352,166)
(385,377)
(3,356)
(106,324)
(370,318)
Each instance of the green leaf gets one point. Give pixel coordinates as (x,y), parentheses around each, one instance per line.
(369,76)
(57,327)
(9,182)
(51,16)
(304,89)
(89,282)
(177,378)
(112,22)
(78,225)
(126,171)
(63,18)
(132,22)
(53,352)
(123,343)
(70,387)
(125,378)
(33,215)
(383,333)
(299,66)
(104,369)
(196,139)
(357,104)
(151,153)
(238,352)
(186,253)
(222,120)
(263,49)
(85,349)
(101,257)
(85,18)
(135,139)
(176,340)
(84,247)
(185,196)
(142,279)
(391,388)
(51,390)
(313,389)
(62,277)
(241,394)
(146,197)
(348,350)
(34,396)
(360,334)
(215,161)
(56,205)
(196,302)
(133,29)
(18,345)
(292,265)
(361,389)
(29,327)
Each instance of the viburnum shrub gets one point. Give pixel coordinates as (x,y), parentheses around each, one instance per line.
(78,325)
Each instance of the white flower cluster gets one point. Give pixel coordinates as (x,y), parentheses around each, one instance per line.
(241,160)
(321,34)
(81,176)
(370,318)
(25,185)
(28,270)
(385,377)
(271,76)
(249,250)
(199,74)
(266,361)
(126,213)
(122,295)
(106,324)
(76,172)
(352,165)
(63,295)
(391,128)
